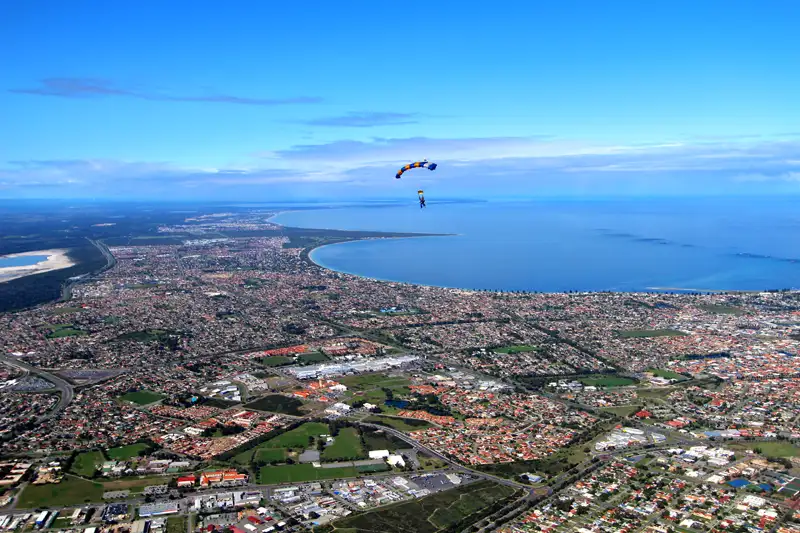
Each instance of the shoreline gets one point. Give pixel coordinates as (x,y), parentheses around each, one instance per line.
(57,259)
(645,290)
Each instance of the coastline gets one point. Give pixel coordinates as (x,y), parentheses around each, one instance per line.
(57,259)
(311,248)
(309,253)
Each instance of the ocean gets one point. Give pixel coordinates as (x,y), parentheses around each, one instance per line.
(564,245)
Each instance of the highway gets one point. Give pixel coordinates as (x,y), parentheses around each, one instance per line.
(65,389)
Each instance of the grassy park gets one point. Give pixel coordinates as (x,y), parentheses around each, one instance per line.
(58,331)
(667,374)
(400,424)
(127,452)
(301,472)
(346,445)
(298,437)
(87,463)
(71,491)
(277,403)
(142,397)
(277,360)
(607,381)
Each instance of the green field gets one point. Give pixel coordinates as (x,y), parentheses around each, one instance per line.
(369,388)
(380,440)
(298,437)
(516,349)
(301,472)
(127,452)
(400,424)
(646,333)
(369,381)
(313,357)
(667,374)
(277,403)
(71,491)
(429,514)
(135,484)
(607,381)
(277,360)
(58,331)
(263,452)
(87,463)
(773,449)
(270,454)
(346,446)
(622,410)
(176,524)
(383,467)
(142,397)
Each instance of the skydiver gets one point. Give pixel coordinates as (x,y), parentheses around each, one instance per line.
(421,202)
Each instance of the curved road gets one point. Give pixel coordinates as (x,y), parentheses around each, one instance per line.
(66,390)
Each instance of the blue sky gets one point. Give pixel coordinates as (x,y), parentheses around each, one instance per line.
(290,100)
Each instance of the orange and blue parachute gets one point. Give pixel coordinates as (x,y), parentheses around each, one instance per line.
(418,164)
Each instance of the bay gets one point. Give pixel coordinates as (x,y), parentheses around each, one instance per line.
(562,245)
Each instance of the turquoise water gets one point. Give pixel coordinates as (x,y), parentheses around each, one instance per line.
(24,260)
(620,245)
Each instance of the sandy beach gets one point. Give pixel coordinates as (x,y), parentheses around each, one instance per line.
(56,260)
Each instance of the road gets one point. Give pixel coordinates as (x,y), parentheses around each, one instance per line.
(65,389)
(453,464)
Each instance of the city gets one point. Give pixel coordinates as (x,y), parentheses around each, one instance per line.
(229,383)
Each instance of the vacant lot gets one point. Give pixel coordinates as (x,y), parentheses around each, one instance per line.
(516,349)
(622,410)
(400,424)
(607,381)
(87,463)
(127,452)
(277,360)
(301,472)
(142,397)
(380,440)
(298,437)
(176,524)
(429,514)
(346,445)
(136,484)
(277,403)
(668,374)
(313,357)
(645,333)
(264,453)
(71,491)
(773,449)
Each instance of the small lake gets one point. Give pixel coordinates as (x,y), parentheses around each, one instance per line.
(24,260)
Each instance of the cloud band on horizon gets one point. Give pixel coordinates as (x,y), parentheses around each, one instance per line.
(67,87)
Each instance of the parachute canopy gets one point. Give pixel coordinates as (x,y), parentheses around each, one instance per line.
(418,164)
